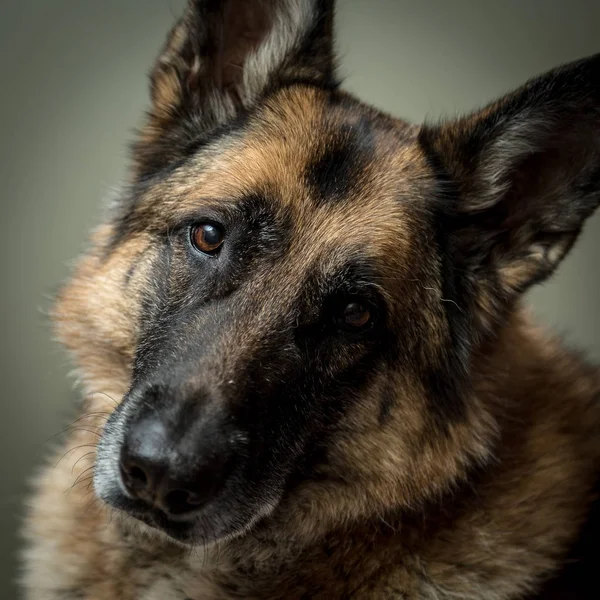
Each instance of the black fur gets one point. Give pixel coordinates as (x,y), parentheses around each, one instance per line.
(334,173)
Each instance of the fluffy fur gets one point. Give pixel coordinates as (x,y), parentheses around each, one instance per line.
(447,449)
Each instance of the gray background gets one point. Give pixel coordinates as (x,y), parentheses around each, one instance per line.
(73,86)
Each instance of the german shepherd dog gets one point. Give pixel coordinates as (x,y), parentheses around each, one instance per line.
(307,369)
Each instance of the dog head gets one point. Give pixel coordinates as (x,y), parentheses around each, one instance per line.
(287,298)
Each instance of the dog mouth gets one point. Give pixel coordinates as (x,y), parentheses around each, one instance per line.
(204,529)
(178,528)
(180,531)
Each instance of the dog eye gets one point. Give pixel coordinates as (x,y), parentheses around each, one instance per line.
(207,238)
(356,315)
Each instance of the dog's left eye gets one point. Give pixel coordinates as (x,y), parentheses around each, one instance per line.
(355,316)
(207,238)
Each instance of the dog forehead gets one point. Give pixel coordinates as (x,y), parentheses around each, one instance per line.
(310,151)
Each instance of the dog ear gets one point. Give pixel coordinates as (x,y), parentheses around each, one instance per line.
(518,179)
(221,57)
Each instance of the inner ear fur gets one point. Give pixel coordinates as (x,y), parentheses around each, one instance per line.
(519,178)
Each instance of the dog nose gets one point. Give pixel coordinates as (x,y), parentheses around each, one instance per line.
(177,478)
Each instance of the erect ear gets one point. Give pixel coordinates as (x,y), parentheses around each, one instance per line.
(218,60)
(518,178)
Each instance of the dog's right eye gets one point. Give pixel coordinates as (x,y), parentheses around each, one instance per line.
(355,315)
(207,238)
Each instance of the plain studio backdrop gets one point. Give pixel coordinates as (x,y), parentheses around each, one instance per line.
(74,87)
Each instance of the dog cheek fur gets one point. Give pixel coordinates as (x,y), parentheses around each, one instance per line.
(96,315)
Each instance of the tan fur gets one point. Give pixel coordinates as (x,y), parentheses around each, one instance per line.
(408,501)
(532,427)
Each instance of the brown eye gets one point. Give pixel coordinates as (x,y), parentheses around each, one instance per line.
(207,238)
(356,316)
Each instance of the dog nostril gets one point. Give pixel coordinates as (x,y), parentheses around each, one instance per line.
(137,476)
(195,499)
(181,501)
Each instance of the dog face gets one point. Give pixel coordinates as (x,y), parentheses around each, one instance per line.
(288,299)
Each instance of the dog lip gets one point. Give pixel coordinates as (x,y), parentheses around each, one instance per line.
(178,530)
(138,509)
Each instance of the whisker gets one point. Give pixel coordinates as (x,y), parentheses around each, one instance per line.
(86,479)
(79,428)
(81,475)
(73,450)
(105,395)
(81,458)
(66,429)
(90,415)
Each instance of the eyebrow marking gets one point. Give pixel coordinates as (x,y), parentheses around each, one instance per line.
(335,169)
